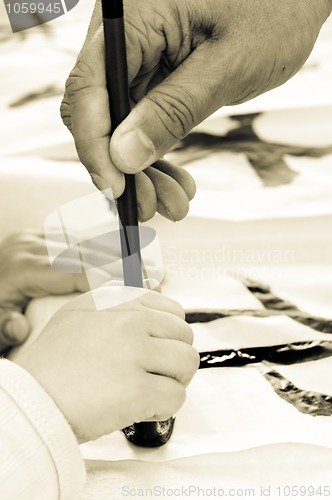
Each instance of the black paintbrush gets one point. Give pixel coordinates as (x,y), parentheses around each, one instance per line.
(148,434)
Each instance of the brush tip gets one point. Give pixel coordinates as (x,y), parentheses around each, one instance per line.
(150,434)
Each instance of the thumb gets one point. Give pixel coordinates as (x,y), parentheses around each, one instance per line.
(14,328)
(167,113)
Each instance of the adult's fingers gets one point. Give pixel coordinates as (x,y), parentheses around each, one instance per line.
(146,197)
(165,188)
(180,175)
(172,199)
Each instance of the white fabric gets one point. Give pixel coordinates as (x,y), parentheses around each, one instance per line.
(40,457)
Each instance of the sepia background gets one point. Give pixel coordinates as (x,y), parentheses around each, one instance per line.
(251,264)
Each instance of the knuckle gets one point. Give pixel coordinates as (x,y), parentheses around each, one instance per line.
(77,74)
(80,81)
(96,178)
(195,360)
(191,360)
(148,407)
(177,399)
(167,401)
(176,308)
(188,333)
(65,112)
(175,109)
(149,396)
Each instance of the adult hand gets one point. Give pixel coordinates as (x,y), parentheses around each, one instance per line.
(108,369)
(186,59)
(26,273)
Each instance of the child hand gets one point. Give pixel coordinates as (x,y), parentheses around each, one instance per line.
(110,368)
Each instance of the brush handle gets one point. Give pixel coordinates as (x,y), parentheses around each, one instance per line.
(119,105)
(147,434)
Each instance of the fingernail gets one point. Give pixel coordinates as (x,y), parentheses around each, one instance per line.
(135,150)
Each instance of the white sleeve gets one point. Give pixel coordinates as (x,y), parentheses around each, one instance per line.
(39,454)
